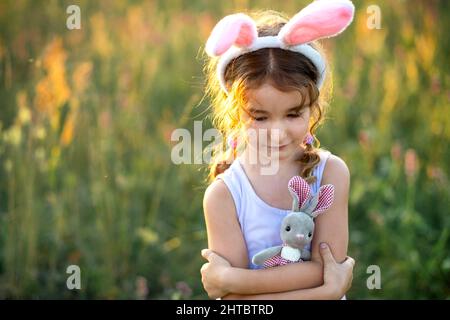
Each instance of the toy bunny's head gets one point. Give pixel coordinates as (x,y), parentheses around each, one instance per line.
(297,227)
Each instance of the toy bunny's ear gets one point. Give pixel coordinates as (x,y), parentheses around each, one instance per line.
(320,19)
(295,201)
(326,197)
(238,29)
(298,186)
(310,205)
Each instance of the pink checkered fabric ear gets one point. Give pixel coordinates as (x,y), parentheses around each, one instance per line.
(301,188)
(326,197)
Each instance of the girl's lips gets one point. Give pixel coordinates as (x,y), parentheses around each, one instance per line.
(278,147)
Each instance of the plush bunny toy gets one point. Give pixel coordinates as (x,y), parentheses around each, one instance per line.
(297,227)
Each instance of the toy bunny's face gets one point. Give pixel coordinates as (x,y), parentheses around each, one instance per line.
(297,229)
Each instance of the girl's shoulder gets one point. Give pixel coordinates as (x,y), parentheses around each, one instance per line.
(217,190)
(336,172)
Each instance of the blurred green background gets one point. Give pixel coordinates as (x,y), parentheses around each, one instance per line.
(86,118)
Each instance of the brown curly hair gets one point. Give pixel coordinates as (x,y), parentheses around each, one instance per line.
(286,70)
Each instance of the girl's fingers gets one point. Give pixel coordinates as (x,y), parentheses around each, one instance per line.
(203,268)
(210,255)
(206,253)
(213,257)
(325,252)
(350,261)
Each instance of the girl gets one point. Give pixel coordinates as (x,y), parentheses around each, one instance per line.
(265,78)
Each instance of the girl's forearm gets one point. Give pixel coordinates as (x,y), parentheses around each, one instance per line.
(289,277)
(319,293)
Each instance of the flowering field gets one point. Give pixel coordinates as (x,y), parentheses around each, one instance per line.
(86,117)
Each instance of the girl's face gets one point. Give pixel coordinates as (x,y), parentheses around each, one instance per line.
(279,119)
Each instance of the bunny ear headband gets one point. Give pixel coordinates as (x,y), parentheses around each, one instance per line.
(237,34)
(304,200)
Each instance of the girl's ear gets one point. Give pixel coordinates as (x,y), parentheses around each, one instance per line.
(326,197)
(298,186)
(238,29)
(320,19)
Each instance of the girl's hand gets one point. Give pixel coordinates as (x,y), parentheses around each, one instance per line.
(214,274)
(337,277)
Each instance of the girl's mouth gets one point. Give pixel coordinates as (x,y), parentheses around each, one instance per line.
(278,147)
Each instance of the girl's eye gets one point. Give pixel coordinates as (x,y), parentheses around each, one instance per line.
(294,115)
(288,228)
(260,118)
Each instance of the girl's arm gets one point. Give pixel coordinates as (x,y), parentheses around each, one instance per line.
(289,277)
(226,239)
(319,293)
(337,281)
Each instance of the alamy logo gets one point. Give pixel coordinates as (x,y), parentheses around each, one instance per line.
(74,19)
(374,280)
(74,280)
(374,20)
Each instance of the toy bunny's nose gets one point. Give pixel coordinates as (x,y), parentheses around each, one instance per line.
(300,236)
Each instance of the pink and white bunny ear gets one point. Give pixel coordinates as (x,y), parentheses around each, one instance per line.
(301,188)
(236,29)
(326,197)
(320,19)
